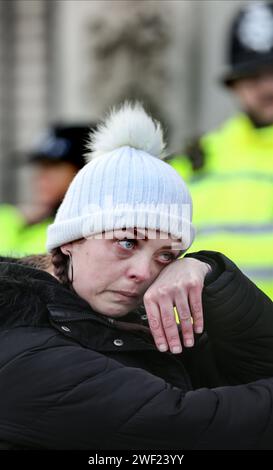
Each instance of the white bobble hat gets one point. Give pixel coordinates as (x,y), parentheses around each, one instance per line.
(125,184)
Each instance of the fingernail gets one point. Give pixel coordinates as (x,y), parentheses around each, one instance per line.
(176,349)
(163,347)
(199,329)
(188,343)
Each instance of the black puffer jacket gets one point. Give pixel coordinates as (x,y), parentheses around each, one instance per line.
(70,379)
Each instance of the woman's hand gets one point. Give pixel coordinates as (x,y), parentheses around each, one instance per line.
(179,285)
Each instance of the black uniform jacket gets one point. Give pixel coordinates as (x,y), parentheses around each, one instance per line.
(73,379)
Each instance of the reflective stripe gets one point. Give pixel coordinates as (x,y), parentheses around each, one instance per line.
(236,228)
(250,175)
(258,273)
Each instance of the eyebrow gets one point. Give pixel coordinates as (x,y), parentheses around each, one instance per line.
(145,239)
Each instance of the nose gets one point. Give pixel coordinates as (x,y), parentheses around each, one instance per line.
(140,269)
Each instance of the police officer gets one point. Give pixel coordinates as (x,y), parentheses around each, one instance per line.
(230,170)
(56,158)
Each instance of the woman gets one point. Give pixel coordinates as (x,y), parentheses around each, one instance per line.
(82,367)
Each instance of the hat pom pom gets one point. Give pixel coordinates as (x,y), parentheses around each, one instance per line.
(129,126)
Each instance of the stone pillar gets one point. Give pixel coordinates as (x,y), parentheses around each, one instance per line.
(23,86)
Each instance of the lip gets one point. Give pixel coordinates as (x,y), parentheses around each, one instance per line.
(126,293)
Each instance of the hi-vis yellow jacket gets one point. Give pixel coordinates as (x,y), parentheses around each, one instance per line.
(17,238)
(233,197)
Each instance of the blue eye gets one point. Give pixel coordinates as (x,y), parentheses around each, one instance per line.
(127,244)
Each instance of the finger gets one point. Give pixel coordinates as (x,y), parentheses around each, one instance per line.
(184,313)
(196,308)
(170,326)
(156,327)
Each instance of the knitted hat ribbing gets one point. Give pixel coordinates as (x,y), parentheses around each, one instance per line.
(125,184)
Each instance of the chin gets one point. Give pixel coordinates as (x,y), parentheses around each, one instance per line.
(265,119)
(110,310)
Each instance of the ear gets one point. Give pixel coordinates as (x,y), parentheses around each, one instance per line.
(66,248)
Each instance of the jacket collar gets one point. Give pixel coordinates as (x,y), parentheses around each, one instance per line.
(31,297)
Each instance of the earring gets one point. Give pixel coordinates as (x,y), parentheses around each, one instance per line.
(70,267)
